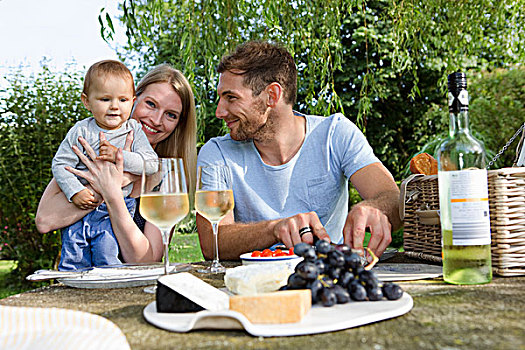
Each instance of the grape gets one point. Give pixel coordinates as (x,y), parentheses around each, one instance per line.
(374,293)
(305,250)
(328,297)
(307,270)
(341,294)
(357,291)
(323,247)
(296,282)
(343,248)
(315,287)
(321,266)
(345,278)
(368,278)
(352,261)
(392,291)
(336,259)
(334,274)
(357,270)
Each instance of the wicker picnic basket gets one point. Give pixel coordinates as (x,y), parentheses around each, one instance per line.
(419,207)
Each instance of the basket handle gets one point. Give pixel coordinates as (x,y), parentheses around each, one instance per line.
(428,217)
(403,194)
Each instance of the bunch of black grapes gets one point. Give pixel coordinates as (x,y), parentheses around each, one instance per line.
(335,274)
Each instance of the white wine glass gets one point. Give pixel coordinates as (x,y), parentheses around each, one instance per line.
(214,200)
(164,197)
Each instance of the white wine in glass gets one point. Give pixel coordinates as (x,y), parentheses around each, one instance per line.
(164,197)
(213,201)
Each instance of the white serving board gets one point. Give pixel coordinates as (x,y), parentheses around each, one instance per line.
(318,320)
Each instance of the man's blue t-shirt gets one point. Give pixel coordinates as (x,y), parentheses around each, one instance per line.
(315,179)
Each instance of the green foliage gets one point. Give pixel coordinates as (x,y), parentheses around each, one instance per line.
(383,63)
(193,35)
(371,85)
(497,109)
(34,118)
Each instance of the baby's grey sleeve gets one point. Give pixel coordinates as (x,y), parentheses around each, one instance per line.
(69,183)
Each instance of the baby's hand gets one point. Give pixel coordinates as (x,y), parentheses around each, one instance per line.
(84,199)
(107,151)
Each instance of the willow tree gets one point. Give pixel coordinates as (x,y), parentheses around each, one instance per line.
(352,55)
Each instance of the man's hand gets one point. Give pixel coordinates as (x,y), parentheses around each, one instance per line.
(84,199)
(287,229)
(360,218)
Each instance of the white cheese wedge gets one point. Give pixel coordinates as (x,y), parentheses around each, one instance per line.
(286,306)
(183,292)
(255,279)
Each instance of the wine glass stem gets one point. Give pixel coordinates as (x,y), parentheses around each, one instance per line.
(215,226)
(165,241)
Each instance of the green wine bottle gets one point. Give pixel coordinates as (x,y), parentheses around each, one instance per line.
(463,195)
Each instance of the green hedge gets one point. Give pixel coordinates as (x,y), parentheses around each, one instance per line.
(36,112)
(35,115)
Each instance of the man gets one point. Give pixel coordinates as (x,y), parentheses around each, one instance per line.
(291,171)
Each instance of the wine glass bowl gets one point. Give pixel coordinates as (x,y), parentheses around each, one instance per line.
(213,201)
(164,197)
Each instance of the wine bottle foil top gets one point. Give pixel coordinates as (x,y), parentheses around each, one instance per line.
(457,95)
(457,81)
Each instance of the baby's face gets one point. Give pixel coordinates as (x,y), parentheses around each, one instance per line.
(110,100)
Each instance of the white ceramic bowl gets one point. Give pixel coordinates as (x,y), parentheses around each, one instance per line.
(290,260)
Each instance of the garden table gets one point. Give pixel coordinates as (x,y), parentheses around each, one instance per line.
(443,317)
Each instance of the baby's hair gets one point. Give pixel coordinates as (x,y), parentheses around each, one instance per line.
(107,68)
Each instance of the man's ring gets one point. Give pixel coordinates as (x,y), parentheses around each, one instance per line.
(305,230)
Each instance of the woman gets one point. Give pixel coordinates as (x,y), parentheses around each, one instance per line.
(165,107)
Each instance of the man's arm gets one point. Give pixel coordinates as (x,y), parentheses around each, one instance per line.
(238,238)
(378,211)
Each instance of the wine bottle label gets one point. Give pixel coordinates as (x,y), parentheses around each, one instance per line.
(457,101)
(469,205)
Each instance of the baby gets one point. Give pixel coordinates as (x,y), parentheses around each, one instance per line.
(109,93)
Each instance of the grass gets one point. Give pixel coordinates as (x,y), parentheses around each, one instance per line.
(6,289)
(185,248)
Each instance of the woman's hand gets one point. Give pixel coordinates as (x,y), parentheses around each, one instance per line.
(105,177)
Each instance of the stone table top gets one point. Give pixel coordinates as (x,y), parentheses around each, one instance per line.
(444,316)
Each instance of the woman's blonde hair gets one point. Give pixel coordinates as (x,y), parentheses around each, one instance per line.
(182,142)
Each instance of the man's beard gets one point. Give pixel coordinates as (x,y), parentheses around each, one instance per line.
(255,128)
